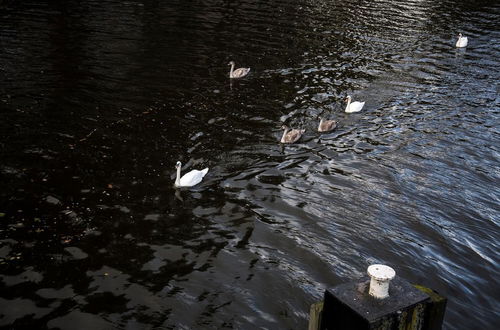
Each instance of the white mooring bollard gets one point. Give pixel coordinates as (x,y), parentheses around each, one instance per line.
(365,304)
(380,276)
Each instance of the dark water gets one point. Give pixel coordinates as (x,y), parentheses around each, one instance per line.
(99,99)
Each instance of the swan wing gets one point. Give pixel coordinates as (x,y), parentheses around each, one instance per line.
(355,107)
(327,125)
(193,178)
(462,42)
(241,72)
(294,135)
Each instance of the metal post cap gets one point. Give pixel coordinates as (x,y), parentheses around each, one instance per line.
(381,272)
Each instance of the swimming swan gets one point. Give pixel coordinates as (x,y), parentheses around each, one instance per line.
(354,106)
(189,179)
(291,136)
(238,73)
(462,41)
(326,125)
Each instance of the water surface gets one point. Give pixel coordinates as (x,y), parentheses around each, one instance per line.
(98,100)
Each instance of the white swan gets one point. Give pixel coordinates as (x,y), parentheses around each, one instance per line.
(291,136)
(189,179)
(326,125)
(354,106)
(462,41)
(238,73)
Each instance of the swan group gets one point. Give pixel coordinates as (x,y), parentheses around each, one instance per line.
(194,177)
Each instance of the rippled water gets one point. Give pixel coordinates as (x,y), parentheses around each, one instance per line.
(99,99)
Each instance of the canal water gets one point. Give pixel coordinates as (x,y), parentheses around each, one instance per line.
(100,99)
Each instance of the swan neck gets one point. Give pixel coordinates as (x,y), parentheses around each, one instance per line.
(232,69)
(284,133)
(348,103)
(178,178)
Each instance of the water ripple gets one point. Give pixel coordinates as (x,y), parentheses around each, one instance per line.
(100,99)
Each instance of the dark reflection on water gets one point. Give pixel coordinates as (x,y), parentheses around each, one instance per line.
(100,99)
